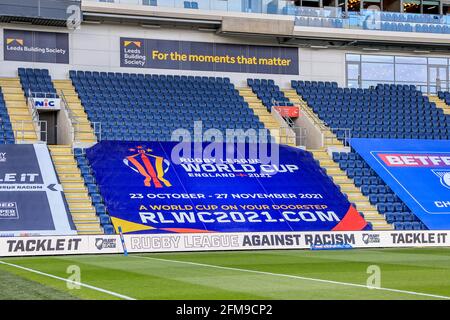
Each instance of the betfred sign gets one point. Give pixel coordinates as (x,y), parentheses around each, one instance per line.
(47,103)
(415,160)
(288,111)
(418,171)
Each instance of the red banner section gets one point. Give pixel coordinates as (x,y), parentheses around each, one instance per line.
(288,111)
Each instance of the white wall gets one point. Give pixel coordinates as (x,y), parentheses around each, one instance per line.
(97,48)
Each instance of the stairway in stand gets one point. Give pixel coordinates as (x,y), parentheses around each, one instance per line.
(339,176)
(80,205)
(330,139)
(353,193)
(84,133)
(265,117)
(19,113)
(440,104)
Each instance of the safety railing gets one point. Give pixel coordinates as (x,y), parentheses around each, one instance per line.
(328,17)
(295,136)
(21,129)
(97,130)
(337,134)
(78,129)
(341,134)
(32,108)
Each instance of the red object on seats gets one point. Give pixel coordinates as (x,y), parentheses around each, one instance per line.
(288,111)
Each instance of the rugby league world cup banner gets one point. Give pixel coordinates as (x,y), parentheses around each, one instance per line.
(146,190)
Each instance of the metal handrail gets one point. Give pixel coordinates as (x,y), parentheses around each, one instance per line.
(33,110)
(74,120)
(318,123)
(40,130)
(347,135)
(293,135)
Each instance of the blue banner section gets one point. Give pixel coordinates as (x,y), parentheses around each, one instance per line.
(150,188)
(31,198)
(418,171)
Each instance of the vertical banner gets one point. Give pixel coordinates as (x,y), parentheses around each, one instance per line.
(31,197)
(36,46)
(418,171)
(207,56)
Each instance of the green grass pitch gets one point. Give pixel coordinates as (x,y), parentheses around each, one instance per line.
(290,274)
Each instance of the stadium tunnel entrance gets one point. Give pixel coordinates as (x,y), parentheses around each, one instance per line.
(49,126)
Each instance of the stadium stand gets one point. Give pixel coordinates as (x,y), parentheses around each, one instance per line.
(76,192)
(379,194)
(386,111)
(442,101)
(19,115)
(37,83)
(93,191)
(6,133)
(269,93)
(137,107)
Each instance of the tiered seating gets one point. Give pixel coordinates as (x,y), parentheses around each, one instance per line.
(379,194)
(190,4)
(6,132)
(269,93)
(386,111)
(148,107)
(445,96)
(403,22)
(37,83)
(89,181)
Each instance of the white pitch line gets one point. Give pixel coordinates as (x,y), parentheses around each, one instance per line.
(296,277)
(118,295)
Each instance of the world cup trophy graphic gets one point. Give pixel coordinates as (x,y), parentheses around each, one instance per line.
(148,165)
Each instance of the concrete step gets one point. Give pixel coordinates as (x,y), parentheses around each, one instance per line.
(65,151)
(80,205)
(77,197)
(25,135)
(85,220)
(377,217)
(354,197)
(73,186)
(23,111)
(364,206)
(64,161)
(82,211)
(328,163)
(88,228)
(342,180)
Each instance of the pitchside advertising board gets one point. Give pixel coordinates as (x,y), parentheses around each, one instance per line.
(103,244)
(31,198)
(149,188)
(36,46)
(418,171)
(207,56)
